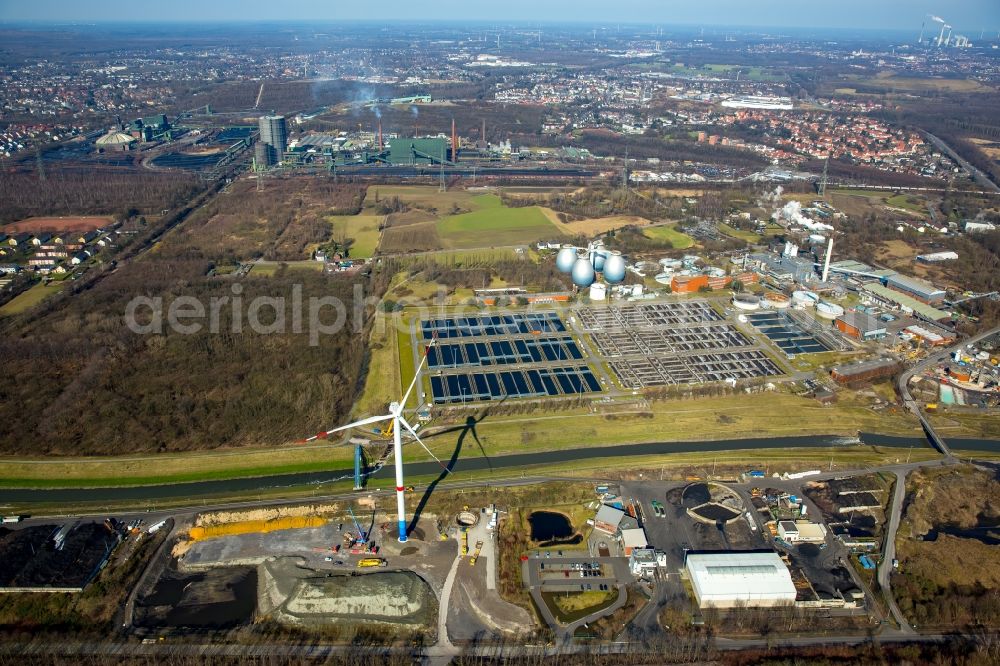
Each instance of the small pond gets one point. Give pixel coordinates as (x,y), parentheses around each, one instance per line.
(552,529)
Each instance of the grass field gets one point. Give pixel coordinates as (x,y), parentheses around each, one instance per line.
(748,236)
(493,225)
(888,82)
(668,233)
(364,229)
(66,224)
(269,268)
(908,202)
(596,226)
(30,298)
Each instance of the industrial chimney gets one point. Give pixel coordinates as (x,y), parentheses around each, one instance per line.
(826,264)
(381,146)
(454,142)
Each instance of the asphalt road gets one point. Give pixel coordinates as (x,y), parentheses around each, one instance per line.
(977,175)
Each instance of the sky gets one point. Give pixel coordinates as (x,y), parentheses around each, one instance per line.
(967,15)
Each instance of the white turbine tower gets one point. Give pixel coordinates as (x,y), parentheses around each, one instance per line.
(396,416)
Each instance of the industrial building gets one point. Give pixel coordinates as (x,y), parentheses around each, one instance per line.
(408,152)
(801,532)
(633,539)
(876,293)
(919,289)
(728,579)
(865,371)
(273,135)
(608,518)
(861,326)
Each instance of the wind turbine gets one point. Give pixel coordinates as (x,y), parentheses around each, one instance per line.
(396,416)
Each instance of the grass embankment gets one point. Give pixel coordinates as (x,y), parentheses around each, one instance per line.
(667,232)
(705,419)
(383,380)
(950,422)
(30,298)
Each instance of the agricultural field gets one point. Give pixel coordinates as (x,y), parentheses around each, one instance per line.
(668,233)
(30,298)
(361,232)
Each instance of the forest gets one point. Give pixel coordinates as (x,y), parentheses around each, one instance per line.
(95,192)
(81,382)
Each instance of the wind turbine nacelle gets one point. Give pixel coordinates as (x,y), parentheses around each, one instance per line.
(614,268)
(566,258)
(583,273)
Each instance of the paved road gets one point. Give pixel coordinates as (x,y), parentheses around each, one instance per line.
(889,553)
(532,573)
(977,175)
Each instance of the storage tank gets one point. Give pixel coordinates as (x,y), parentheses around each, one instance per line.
(566,258)
(746,301)
(598,259)
(804,299)
(583,273)
(598,291)
(614,267)
(664,278)
(774,299)
(828,310)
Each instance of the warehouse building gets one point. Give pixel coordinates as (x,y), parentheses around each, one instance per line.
(876,293)
(725,580)
(801,532)
(608,518)
(919,289)
(866,371)
(861,326)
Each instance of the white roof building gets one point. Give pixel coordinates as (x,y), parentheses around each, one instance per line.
(608,518)
(725,580)
(633,539)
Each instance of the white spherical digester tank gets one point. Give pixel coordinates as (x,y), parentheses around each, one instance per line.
(598,259)
(583,273)
(614,268)
(566,258)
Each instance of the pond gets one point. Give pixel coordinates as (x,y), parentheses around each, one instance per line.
(552,528)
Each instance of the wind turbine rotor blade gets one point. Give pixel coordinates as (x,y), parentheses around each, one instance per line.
(356,424)
(421,443)
(416,376)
